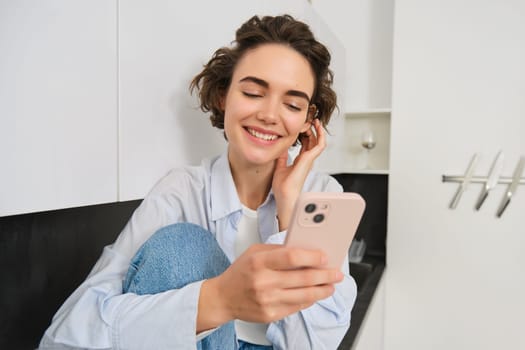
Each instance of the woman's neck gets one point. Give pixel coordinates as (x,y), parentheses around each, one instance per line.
(253,182)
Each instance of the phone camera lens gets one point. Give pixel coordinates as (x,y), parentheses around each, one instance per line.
(310,208)
(318,218)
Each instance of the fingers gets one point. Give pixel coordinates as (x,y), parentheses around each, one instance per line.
(282,160)
(321,134)
(308,139)
(296,268)
(282,258)
(304,297)
(287,258)
(275,306)
(320,138)
(269,282)
(309,278)
(314,139)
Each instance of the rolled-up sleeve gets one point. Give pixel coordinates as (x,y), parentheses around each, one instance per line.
(98,315)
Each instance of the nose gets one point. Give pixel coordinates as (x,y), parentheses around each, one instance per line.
(269,111)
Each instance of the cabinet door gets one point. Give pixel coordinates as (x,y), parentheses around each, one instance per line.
(455,278)
(58,110)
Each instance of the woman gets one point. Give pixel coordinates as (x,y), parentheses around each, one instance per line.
(200,264)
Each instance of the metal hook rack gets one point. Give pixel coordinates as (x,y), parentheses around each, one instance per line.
(504,180)
(489,181)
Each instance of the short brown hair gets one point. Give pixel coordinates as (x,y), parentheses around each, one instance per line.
(214,80)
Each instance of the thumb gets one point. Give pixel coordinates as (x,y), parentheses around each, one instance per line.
(282,160)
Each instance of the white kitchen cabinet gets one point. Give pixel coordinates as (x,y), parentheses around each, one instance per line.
(162,45)
(58,104)
(372,125)
(94,99)
(455,277)
(365,30)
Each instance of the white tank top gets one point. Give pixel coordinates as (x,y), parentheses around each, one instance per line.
(248,234)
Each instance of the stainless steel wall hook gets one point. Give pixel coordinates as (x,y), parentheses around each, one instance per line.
(492,179)
(489,182)
(465,180)
(512,188)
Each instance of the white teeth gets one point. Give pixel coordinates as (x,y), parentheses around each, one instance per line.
(262,136)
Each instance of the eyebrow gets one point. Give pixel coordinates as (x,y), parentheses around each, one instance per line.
(266,85)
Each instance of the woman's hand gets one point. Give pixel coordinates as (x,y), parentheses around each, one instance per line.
(265,284)
(288,181)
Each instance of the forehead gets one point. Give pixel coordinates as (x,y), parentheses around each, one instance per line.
(278,65)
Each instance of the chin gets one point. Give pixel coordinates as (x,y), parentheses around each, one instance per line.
(260,158)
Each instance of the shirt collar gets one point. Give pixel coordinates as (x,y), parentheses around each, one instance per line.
(224,199)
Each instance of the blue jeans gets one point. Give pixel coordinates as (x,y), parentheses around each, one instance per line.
(177,255)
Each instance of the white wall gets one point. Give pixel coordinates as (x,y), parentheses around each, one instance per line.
(455,277)
(58,104)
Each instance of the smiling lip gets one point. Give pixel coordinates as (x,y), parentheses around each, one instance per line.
(262,135)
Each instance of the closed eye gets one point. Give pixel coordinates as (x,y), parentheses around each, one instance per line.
(249,94)
(294,107)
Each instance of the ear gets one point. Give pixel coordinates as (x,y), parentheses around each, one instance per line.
(306,126)
(312,113)
(310,116)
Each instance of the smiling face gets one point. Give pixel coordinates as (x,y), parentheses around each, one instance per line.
(267,104)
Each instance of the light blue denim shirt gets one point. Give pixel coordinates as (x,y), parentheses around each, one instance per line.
(99,316)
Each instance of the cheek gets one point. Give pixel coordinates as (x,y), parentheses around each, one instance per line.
(295,125)
(233,115)
(227,124)
(236,108)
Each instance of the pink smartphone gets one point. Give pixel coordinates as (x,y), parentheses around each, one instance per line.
(326,221)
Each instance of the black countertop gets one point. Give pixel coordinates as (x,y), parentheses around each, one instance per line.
(367,275)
